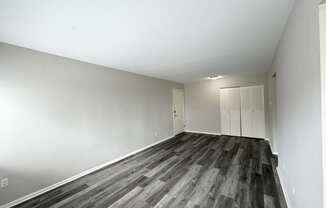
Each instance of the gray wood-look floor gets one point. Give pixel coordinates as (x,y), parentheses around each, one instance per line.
(190,170)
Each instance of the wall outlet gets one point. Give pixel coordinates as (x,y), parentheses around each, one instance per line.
(155,134)
(293,191)
(4,182)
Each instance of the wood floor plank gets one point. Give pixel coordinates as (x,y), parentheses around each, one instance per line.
(159,194)
(111,198)
(203,187)
(229,146)
(146,194)
(179,186)
(126,198)
(190,170)
(256,191)
(269,183)
(224,202)
(48,202)
(269,202)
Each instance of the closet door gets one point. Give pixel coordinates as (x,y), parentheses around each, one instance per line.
(252,111)
(230,111)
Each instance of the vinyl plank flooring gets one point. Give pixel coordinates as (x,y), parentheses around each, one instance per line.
(189,170)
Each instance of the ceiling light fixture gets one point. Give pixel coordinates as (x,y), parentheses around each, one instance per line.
(215,77)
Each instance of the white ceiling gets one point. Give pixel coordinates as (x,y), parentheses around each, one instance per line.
(179,40)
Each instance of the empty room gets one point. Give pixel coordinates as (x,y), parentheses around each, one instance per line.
(162,104)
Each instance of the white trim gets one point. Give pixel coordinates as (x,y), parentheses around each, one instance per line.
(287,199)
(51,187)
(202,132)
(270,144)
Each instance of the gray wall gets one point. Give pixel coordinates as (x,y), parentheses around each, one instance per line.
(299,142)
(60,117)
(322,30)
(203,105)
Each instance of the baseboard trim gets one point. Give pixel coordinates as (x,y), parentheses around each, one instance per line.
(75,177)
(286,196)
(270,144)
(202,132)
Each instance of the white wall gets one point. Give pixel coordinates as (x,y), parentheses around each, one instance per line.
(322,29)
(203,104)
(299,142)
(60,117)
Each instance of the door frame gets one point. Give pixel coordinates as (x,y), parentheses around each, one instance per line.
(173,120)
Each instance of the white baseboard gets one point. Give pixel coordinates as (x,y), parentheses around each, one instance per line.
(270,144)
(84,173)
(283,187)
(202,132)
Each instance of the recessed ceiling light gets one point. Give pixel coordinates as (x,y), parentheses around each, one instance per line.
(215,77)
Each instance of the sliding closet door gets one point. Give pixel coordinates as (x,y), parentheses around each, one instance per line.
(230,111)
(252,111)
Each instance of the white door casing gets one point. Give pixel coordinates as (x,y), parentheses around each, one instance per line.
(178,111)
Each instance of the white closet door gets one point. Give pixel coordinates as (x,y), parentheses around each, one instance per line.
(252,111)
(224,112)
(230,111)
